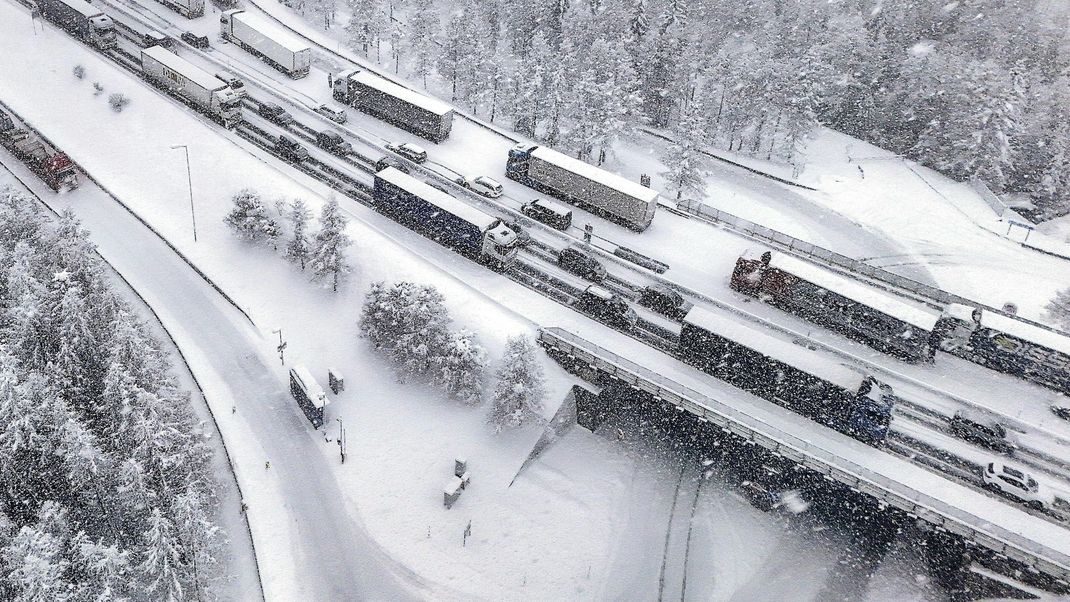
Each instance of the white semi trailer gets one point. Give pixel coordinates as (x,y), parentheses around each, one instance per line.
(260,37)
(205,91)
(190,9)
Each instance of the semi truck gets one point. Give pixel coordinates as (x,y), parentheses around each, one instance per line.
(81,19)
(190,9)
(260,37)
(581,184)
(405,108)
(444,218)
(53,167)
(203,90)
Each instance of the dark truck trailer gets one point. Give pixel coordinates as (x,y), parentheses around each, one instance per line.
(53,167)
(444,218)
(81,19)
(405,108)
(582,184)
(309,395)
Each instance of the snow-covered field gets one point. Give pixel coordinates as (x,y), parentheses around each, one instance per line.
(375,523)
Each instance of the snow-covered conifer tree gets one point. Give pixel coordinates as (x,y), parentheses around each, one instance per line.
(328,256)
(408,321)
(423,29)
(249,217)
(161,560)
(683,157)
(460,370)
(1058,309)
(299,247)
(521,387)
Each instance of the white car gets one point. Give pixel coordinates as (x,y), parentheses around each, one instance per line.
(482,185)
(332,114)
(1017,484)
(408,150)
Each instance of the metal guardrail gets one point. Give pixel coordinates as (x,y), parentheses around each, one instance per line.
(814,457)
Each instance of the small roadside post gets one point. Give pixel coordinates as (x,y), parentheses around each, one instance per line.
(281,347)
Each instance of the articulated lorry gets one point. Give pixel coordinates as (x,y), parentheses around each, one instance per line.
(53,167)
(189,82)
(582,184)
(444,218)
(260,37)
(405,108)
(81,19)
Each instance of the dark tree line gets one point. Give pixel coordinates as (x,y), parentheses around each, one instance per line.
(106,492)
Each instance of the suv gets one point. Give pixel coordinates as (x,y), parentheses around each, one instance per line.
(579,261)
(291,150)
(1061,409)
(549,213)
(334,115)
(608,307)
(200,42)
(983,431)
(1017,484)
(482,185)
(275,114)
(155,38)
(408,150)
(665,301)
(333,143)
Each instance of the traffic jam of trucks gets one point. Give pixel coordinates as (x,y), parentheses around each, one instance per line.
(51,165)
(204,91)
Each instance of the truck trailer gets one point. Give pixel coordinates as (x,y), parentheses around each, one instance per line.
(81,19)
(405,108)
(582,184)
(444,218)
(203,90)
(260,37)
(190,9)
(53,167)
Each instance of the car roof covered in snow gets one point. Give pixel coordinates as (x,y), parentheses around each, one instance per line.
(886,302)
(804,359)
(436,197)
(596,174)
(412,97)
(180,65)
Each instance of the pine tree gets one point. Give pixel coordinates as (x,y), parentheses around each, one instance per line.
(408,321)
(34,567)
(328,255)
(683,157)
(1058,309)
(77,349)
(423,27)
(161,561)
(249,218)
(298,248)
(519,393)
(461,367)
(367,25)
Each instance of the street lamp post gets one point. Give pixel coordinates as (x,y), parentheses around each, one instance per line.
(282,346)
(189,180)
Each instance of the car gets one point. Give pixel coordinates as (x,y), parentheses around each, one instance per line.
(290,149)
(1061,409)
(155,38)
(236,85)
(275,114)
(333,143)
(335,115)
(550,213)
(1018,484)
(608,307)
(665,301)
(408,150)
(982,430)
(385,162)
(482,185)
(579,261)
(200,42)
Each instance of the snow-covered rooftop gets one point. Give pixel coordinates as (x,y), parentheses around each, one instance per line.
(192,72)
(812,362)
(83,7)
(883,301)
(595,174)
(437,197)
(312,388)
(410,96)
(264,25)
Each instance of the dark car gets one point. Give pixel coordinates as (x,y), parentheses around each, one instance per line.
(291,150)
(333,143)
(195,40)
(608,307)
(155,38)
(983,431)
(274,113)
(385,162)
(1061,409)
(665,301)
(579,261)
(549,213)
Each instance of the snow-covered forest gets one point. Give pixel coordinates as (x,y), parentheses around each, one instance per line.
(970,88)
(106,491)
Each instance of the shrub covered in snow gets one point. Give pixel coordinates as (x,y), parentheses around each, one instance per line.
(97,89)
(1058,309)
(518,396)
(407,321)
(79,71)
(249,217)
(118,101)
